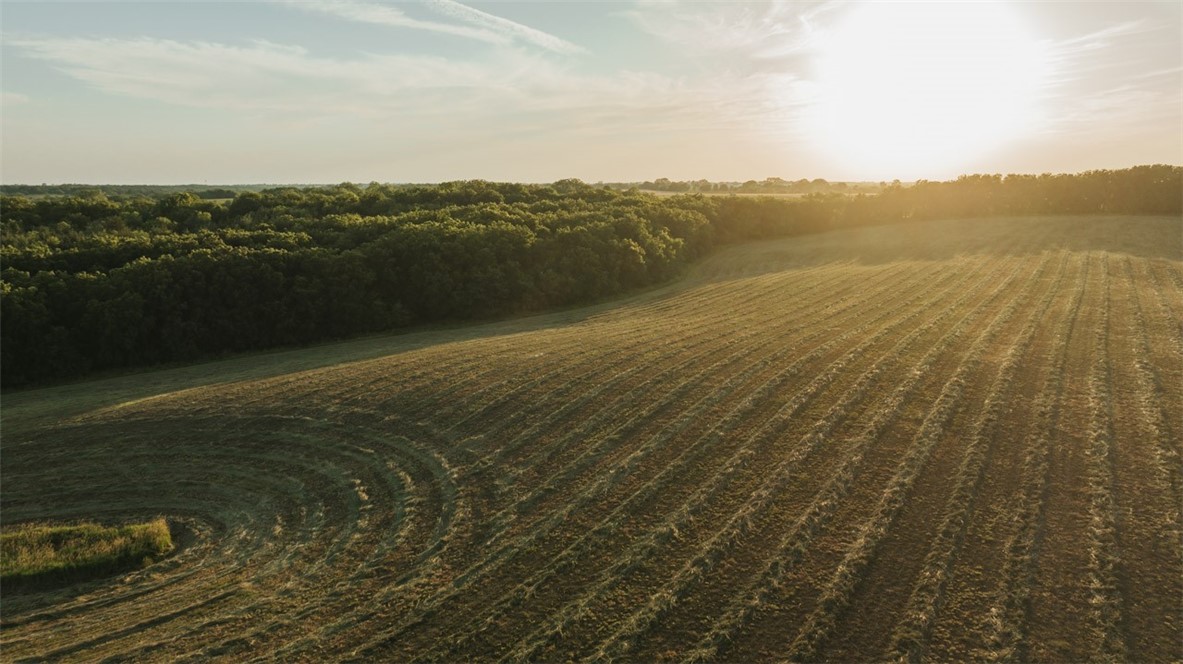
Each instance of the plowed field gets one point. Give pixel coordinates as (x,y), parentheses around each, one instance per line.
(949,440)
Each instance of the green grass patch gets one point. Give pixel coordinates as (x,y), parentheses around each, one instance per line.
(35,555)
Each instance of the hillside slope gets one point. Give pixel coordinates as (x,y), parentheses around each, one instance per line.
(942,440)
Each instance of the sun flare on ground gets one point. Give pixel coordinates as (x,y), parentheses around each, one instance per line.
(907,88)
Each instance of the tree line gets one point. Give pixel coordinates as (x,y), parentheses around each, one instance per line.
(129,190)
(772,185)
(93,282)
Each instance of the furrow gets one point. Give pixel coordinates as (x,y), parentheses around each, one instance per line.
(838,592)
(608,352)
(1006,621)
(766,364)
(911,633)
(708,340)
(795,539)
(1104,557)
(536,532)
(740,460)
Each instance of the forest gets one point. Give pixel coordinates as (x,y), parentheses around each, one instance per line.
(98,280)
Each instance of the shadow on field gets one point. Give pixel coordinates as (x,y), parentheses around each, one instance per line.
(29,409)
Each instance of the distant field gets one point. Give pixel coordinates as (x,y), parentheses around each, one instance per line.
(757,194)
(722,193)
(951,440)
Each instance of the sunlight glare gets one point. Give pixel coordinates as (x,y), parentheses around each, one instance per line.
(915,89)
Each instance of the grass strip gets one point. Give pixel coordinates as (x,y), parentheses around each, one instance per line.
(39,555)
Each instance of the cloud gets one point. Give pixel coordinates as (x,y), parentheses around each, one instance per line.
(754,59)
(263,76)
(386,15)
(518,92)
(473,23)
(503,26)
(1089,55)
(1105,78)
(13,98)
(1102,38)
(767,31)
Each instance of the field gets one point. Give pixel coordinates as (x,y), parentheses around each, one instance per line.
(944,440)
(666,194)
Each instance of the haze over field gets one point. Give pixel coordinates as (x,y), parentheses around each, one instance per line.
(363,90)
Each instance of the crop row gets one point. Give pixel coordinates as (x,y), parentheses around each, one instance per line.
(842,585)
(419,606)
(1005,641)
(1104,560)
(574,501)
(927,595)
(795,539)
(738,524)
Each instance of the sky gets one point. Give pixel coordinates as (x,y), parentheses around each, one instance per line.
(327,91)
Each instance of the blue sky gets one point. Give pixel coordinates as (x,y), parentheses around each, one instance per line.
(316,91)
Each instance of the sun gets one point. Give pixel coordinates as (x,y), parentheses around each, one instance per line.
(913,90)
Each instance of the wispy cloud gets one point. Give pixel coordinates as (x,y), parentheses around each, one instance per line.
(521,81)
(772,30)
(261,76)
(387,15)
(752,59)
(503,26)
(466,22)
(1083,56)
(289,84)
(264,76)
(1102,38)
(1101,80)
(13,98)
